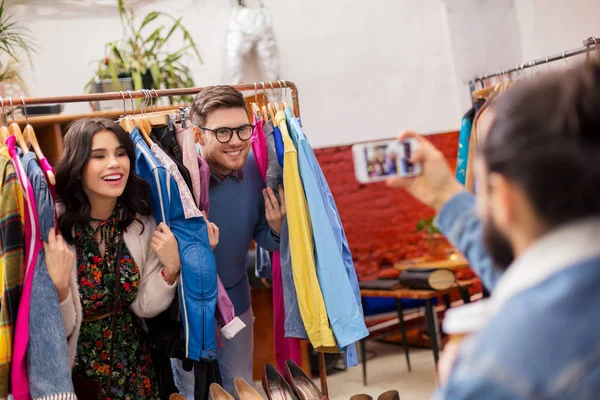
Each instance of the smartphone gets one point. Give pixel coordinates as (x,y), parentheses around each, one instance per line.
(377,161)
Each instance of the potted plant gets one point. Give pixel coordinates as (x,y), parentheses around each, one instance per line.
(436,242)
(141,56)
(15,44)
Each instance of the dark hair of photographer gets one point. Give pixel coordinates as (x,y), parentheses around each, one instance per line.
(546,139)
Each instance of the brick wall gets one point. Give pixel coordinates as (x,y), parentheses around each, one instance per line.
(379,222)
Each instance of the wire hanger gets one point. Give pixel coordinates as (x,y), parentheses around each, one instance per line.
(30,138)
(282,84)
(4,133)
(264,109)
(254,104)
(139,122)
(271,110)
(275,102)
(143,123)
(15,130)
(125,122)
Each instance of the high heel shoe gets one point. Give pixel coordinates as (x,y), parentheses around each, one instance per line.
(275,385)
(245,391)
(301,383)
(389,395)
(218,393)
(361,397)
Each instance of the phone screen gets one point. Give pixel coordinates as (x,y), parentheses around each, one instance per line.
(382,160)
(407,166)
(376,161)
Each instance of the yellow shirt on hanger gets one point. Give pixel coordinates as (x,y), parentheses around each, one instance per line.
(308,290)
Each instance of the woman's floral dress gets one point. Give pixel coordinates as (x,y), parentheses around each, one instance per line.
(133,375)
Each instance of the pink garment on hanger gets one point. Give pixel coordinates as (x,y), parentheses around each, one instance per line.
(204,184)
(285,348)
(33,245)
(259,147)
(46,167)
(185,138)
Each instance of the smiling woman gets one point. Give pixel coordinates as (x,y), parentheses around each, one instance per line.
(125,266)
(95,149)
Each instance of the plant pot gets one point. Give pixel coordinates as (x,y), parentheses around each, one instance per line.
(437,246)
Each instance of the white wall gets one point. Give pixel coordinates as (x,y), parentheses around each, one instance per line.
(365,70)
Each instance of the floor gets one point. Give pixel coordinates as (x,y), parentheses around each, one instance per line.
(386,370)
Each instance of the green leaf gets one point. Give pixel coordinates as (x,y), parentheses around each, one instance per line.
(155,71)
(151,16)
(175,25)
(137,80)
(154,35)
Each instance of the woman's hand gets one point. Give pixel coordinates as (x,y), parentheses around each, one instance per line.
(165,246)
(59,261)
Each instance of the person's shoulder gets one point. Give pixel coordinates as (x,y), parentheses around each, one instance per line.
(142,225)
(527,335)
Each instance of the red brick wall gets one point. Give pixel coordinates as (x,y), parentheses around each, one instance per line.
(379,222)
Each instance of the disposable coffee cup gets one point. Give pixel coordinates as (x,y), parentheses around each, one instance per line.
(462,321)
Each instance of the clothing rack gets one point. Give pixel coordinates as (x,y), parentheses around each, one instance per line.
(263,87)
(587,44)
(139,94)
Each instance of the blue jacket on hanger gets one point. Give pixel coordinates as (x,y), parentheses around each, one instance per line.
(335,268)
(198,278)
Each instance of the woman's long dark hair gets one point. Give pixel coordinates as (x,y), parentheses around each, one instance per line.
(69,189)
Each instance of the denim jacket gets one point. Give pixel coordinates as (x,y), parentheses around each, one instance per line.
(49,371)
(521,351)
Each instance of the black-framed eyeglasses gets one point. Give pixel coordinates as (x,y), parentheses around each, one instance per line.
(224,135)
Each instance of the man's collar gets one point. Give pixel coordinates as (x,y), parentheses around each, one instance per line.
(558,250)
(216,179)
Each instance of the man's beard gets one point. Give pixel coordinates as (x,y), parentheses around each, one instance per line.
(498,246)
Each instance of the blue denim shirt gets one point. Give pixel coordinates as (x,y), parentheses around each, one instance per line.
(335,268)
(198,278)
(458,221)
(47,353)
(539,340)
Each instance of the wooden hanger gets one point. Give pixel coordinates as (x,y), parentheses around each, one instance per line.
(275,103)
(142,122)
(272,113)
(15,130)
(282,85)
(3,129)
(31,139)
(265,113)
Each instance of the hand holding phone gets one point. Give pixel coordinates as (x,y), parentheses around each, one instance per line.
(377,161)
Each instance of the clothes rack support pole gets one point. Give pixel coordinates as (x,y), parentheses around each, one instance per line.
(323,374)
(138,94)
(587,46)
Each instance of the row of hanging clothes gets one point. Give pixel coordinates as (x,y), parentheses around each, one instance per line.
(202,315)
(478,119)
(315,286)
(29,306)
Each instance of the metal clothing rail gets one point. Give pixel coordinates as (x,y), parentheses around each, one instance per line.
(587,43)
(263,87)
(138,94)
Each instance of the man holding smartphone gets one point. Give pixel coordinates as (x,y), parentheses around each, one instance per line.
(538,174)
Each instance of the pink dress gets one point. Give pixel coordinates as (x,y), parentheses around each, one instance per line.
(33,245)
(285,348)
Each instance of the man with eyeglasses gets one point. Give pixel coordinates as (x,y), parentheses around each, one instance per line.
(242,209)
